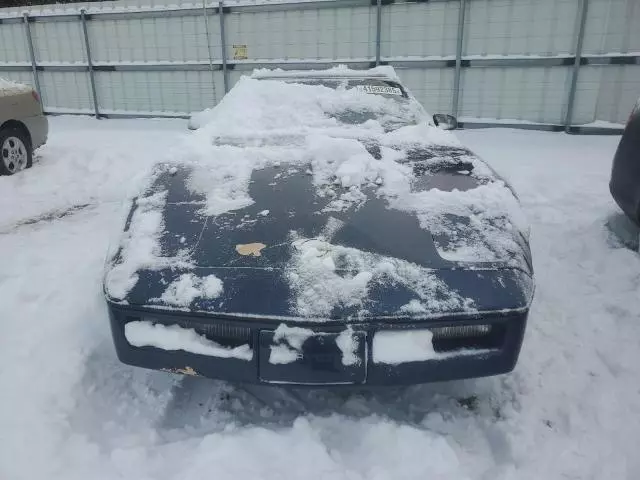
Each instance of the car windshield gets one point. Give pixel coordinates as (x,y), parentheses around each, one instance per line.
(397,111)
(299,105)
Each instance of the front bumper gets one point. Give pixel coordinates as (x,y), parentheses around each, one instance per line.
(490,355)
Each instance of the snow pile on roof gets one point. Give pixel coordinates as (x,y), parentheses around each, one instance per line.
(324,276)
(139,247)
(174,337)
(188,287)
(254,106)
(9,86)
(340,71)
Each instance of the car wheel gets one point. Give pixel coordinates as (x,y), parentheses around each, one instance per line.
(15,151)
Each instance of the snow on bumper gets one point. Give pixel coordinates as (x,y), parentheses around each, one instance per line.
(330,354)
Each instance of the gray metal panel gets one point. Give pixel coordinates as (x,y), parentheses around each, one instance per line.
(91,7)
(432,87)
(58,42)
(162,92)
(66,90)
(316,34)
(9,20)
(149,39)
(533,94)
(21,77)
(419,29)
(22,67)
(295,4)
(511,27)
(13,43)
(587,89)
(214,39)
(615,104)
(613,26)
(234,76)
(172,11)
(142,66)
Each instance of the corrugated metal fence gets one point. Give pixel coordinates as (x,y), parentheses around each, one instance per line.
(548,62)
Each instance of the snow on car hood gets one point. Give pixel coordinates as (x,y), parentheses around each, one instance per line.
(273,182)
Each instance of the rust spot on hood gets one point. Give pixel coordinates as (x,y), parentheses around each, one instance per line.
(183,371)
(252,249)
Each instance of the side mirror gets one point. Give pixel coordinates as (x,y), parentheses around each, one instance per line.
(193,124)
(445,121)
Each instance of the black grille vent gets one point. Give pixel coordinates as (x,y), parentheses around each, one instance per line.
(216,330)
(470,337)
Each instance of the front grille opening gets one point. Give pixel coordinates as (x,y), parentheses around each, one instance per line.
(470,337)
(219,331)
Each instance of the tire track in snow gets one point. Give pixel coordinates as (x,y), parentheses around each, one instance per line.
(46,217)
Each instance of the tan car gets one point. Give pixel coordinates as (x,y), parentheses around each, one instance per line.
(23,126)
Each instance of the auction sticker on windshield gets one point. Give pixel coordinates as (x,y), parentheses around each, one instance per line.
(379,89)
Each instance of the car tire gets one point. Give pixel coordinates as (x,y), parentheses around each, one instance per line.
(16,153)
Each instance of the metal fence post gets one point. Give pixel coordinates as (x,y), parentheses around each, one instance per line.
(378,29)
(456,78)
(582,18)
(208,37)
(92,79)
(223,46)
(32,54)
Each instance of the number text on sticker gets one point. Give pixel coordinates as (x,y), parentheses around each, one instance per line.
(379,89)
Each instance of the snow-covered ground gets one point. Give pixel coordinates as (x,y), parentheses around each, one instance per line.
(69,410)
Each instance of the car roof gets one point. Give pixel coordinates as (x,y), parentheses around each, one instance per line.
(324,77)
(379,73)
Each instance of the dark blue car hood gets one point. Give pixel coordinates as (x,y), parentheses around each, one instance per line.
(260,286)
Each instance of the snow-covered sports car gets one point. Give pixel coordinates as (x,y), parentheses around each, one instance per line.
(318,228)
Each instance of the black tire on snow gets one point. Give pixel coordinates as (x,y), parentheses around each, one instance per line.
(8,132)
